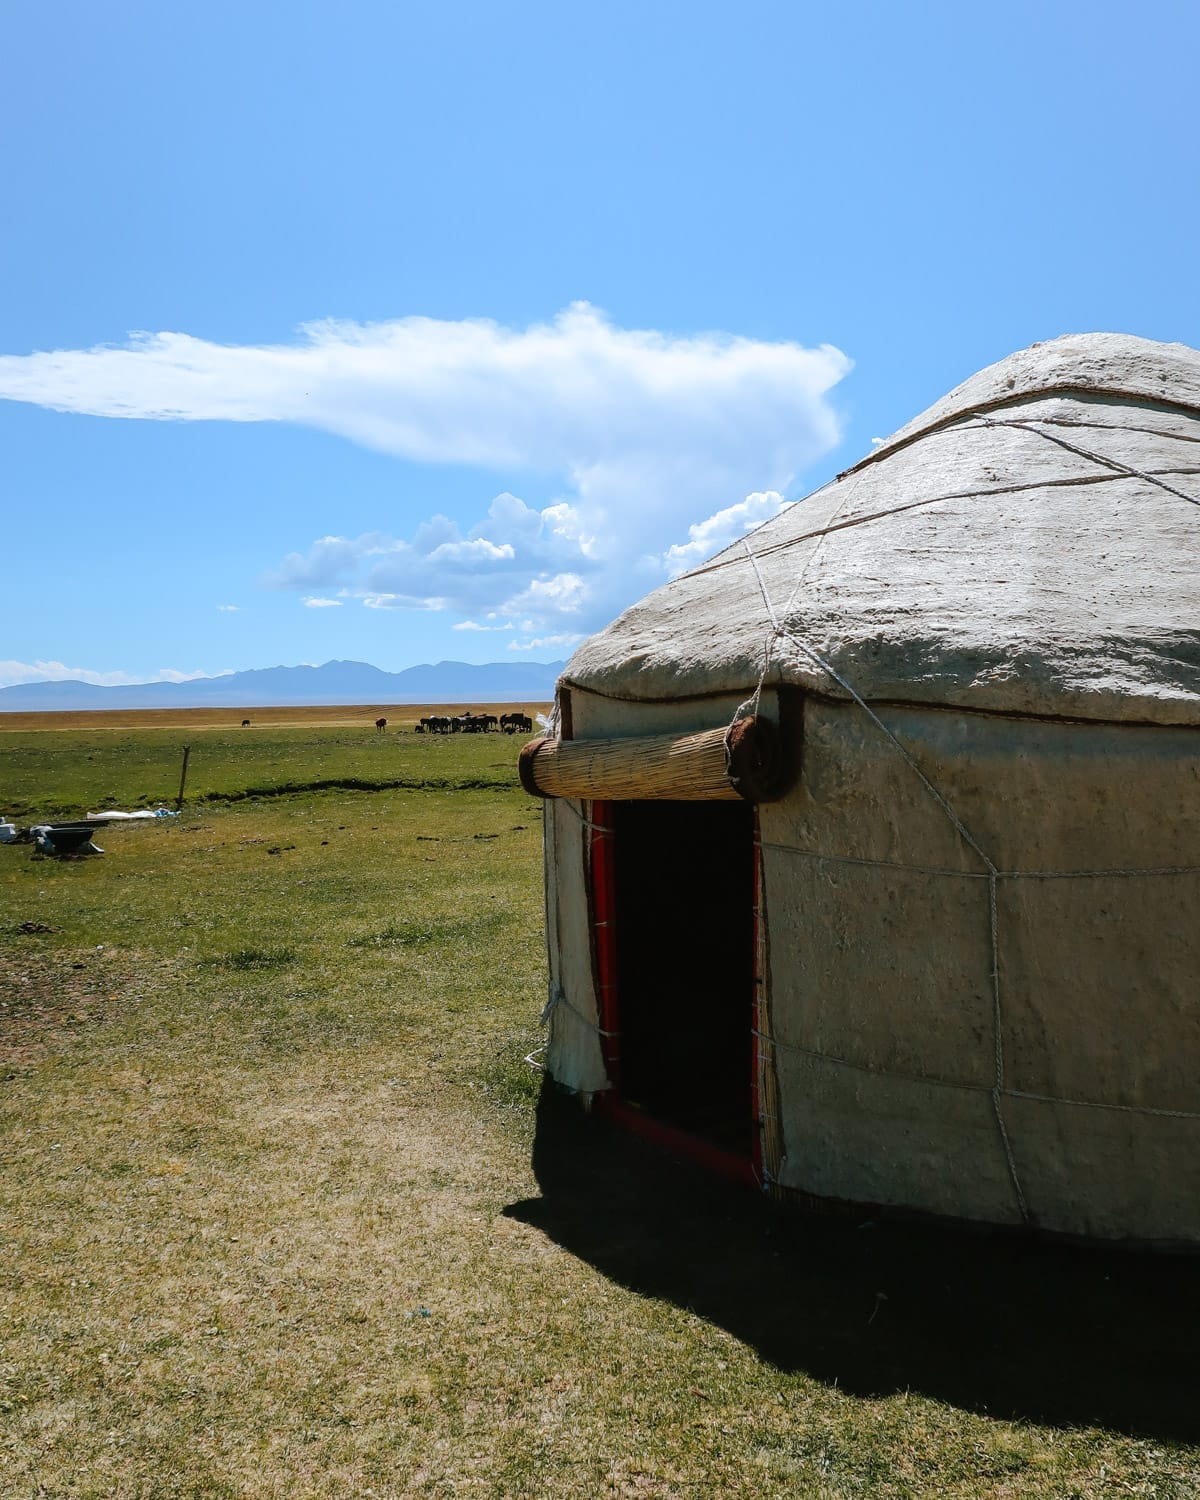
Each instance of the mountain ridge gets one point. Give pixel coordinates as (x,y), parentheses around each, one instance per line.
(333,682)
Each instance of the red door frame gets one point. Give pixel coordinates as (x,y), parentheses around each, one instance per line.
(602,902)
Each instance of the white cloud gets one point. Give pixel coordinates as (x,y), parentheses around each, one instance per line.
(330,559)
(721,530)
(315,601)
(544,642)
(395,601)
(475,625)
(564,594)
(510,563)
(641,432)
(228,609)
(14,672)
(571,393)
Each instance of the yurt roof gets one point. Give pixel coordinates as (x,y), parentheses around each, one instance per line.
(1030,544)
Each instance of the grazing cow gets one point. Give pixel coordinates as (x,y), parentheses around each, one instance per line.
(380,725)
(245,723)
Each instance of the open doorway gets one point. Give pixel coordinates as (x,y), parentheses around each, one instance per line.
(680,955)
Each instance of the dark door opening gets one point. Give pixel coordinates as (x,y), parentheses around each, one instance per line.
(683,959)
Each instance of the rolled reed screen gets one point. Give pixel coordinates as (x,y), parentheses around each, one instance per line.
(744,761)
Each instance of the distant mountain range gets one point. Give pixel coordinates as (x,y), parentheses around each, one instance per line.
(283,687)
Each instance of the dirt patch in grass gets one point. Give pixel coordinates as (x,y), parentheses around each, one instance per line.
(46,996)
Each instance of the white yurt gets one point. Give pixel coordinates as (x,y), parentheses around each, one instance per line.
(873,844)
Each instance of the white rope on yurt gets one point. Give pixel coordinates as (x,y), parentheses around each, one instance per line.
(558,996)
(788,543)
(896,864)
(971,1088)
(1117,470)
(780,631)
(1098,458)
(580,816)
(751,705)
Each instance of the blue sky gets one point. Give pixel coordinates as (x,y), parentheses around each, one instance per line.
(408,332)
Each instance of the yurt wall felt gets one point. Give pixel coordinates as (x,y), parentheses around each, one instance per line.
(883,991)
(979,896)
(908,1050)
(572,1012)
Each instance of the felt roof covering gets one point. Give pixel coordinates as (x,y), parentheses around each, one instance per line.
(1030,544)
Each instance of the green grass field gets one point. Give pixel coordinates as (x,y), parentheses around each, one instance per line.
(269,1225)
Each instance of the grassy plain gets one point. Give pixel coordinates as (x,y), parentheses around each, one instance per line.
(269,1225)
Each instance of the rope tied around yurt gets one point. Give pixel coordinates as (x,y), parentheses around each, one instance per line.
(558,997)
(1116,469)
(780,631)
(1115,464)
(962,1086)
(580,816)
(1110,872)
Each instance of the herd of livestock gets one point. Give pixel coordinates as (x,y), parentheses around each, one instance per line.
(469,723)
(465,723)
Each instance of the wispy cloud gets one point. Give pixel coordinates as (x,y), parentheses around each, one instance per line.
(644,433)
(545,642)
(14,672)
(557,396)
(228,609)
(396,601)
(315,601)
(721,529)
(517,561)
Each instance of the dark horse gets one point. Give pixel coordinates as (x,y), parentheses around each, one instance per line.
(381,725)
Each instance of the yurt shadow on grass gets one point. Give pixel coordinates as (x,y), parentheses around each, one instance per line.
(990,1322)
(872,875)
